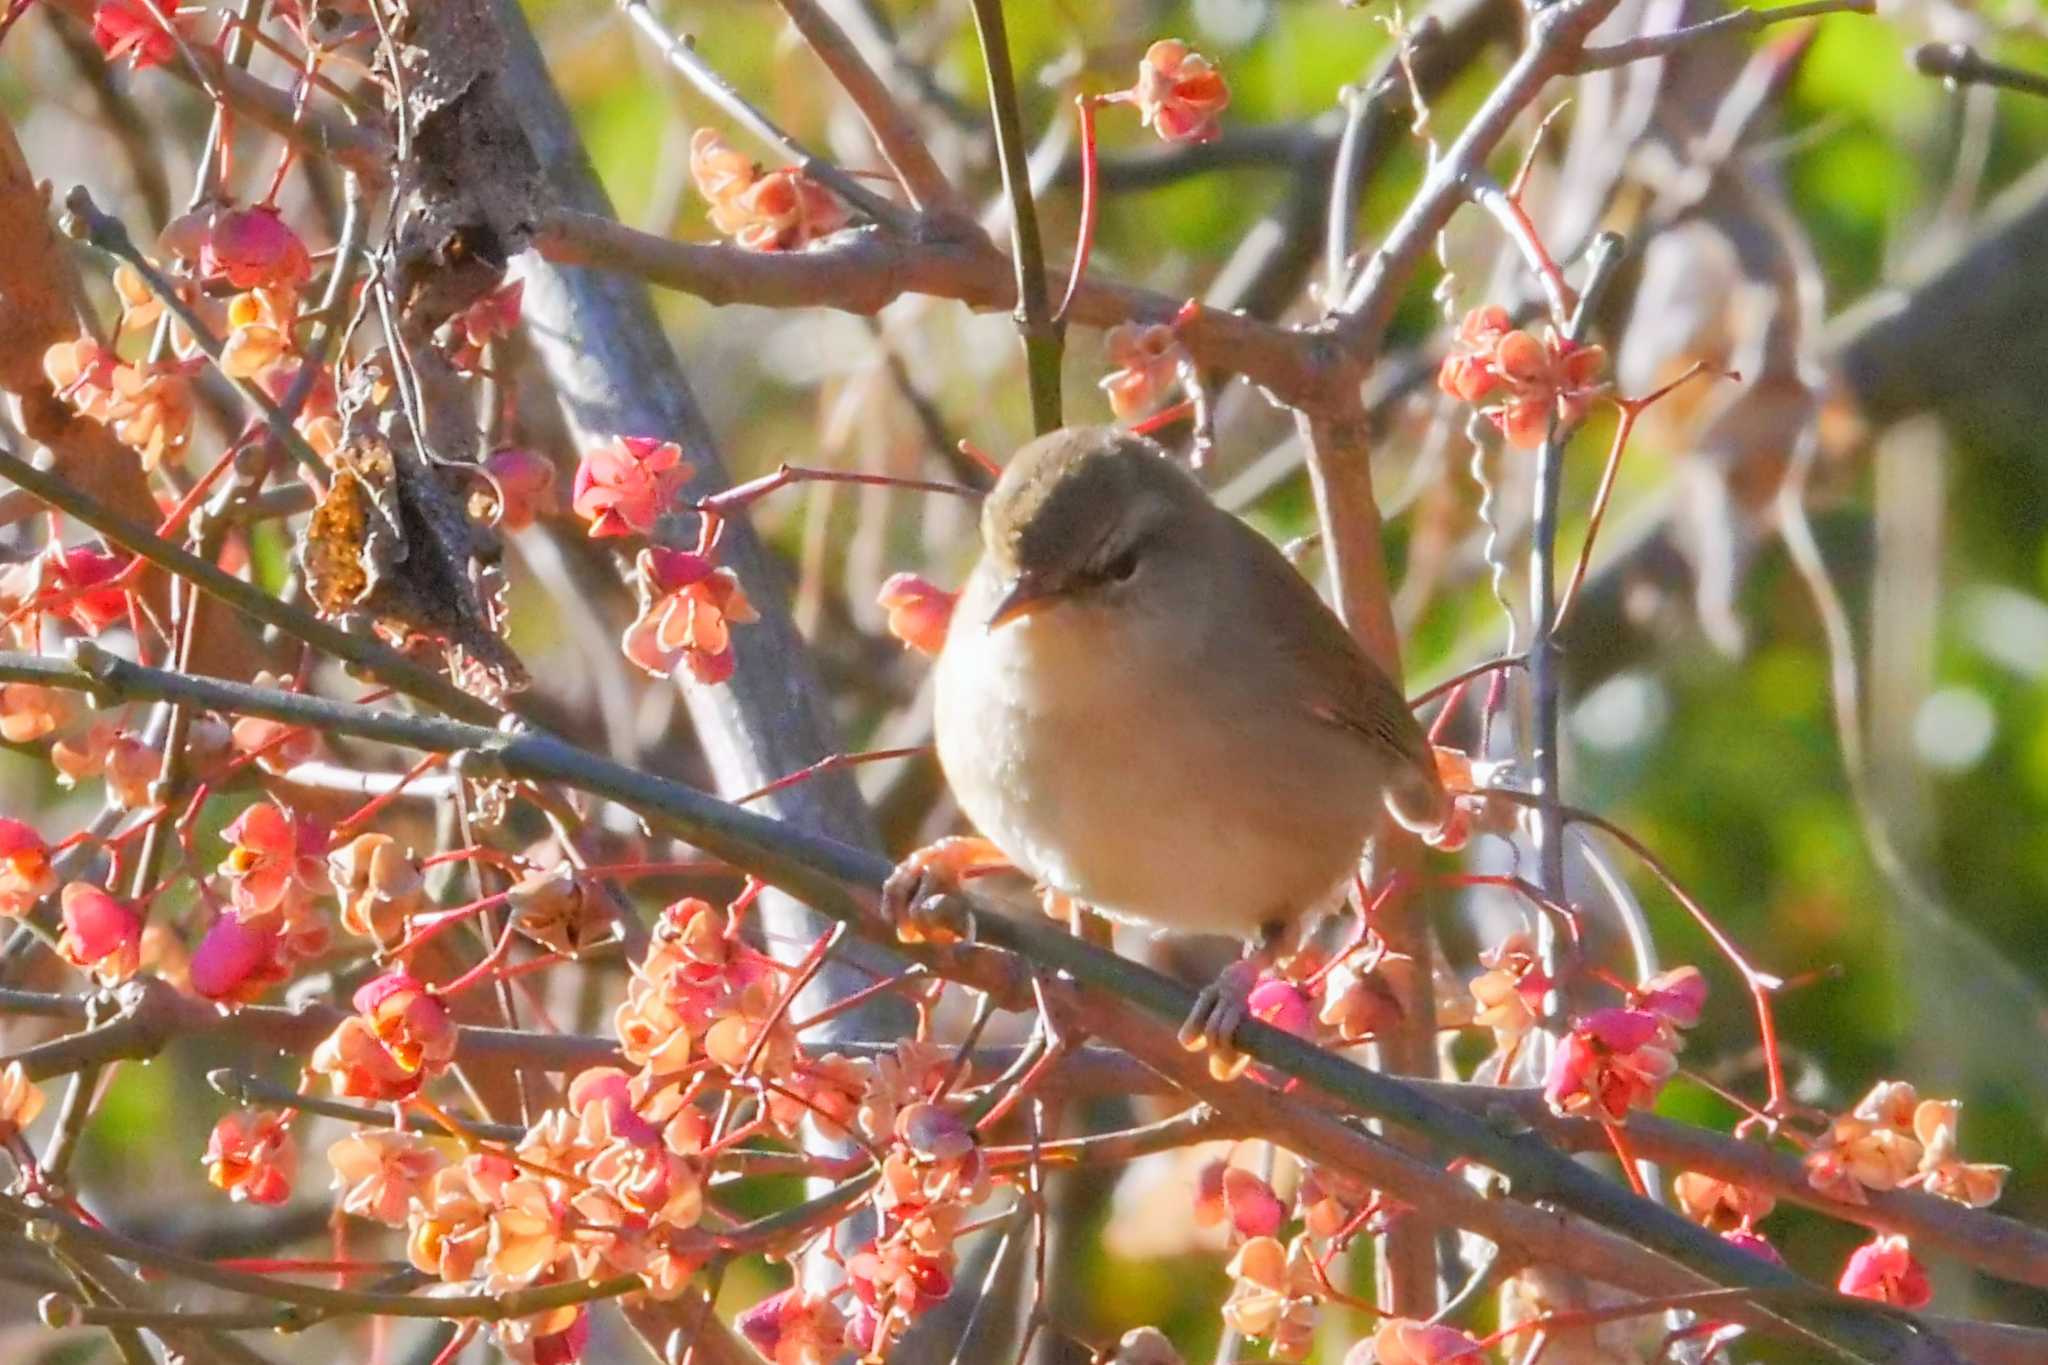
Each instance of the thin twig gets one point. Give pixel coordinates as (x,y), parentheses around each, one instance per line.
(1733,23)
(1556,34)
(1963,64)
(681,54)
(1042,333)
(1544,692)
(376,659)
(894,131)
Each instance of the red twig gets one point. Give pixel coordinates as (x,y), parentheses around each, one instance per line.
(1631,409)
(1084,235)
(830,763)
(1759,983)
(742,495)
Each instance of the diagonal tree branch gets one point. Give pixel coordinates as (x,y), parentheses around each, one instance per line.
(843,883)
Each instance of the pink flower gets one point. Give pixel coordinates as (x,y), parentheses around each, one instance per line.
(687,603)
(490,317)
(259,339)
(276,745)
(1676,996)
(625,486)
(1522,381)
(82,373)
(236,960)
(244,248)
(1359,1000)
(919,611)
(123,28)
(564,1347)
(721,172)
(1276,1294)
(252,1157)
(379,1172)
(28,713)
(83,579)
(120,756)
(1279,1002)
(782,210)
(1612,1061)
(274,864)
(1885,1269)
(1718,1203)
(1467,372)
(25,872)
(1942,1170)
(1510,992)
(1145,360)
(408,1019)
(359,1066)
(795,1327)
(1255,1211)
(1404,1341)
(525,484)
(253,249)
(606,1090)
(151,408)
(20,1101)
(100,933)
(895,1274)
(379,886)
(1755,1243)
(526,1234)
(449,1229)
(1179,94)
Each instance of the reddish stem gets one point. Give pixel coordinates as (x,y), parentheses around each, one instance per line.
(742,495)
(378,802)
(482,969)
(1628,1161)
(1631,409)
(858,998)
(438,924)
(1454,700)
(980,457)
(1165,417)
(830,763)
(1759,983)
(1084,235)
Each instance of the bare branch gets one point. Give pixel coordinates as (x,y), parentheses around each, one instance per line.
(682,56)
(1041,331)
(891,126)
(1963,64)
(1733,23)
(1556,34)
(861,272)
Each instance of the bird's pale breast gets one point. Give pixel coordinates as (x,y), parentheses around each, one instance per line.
(1119,776)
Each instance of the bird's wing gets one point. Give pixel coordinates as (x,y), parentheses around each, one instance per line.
(1339,684)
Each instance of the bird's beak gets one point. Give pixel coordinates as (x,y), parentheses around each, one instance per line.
(1029,595)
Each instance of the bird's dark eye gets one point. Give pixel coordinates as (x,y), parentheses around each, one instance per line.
(1121,566)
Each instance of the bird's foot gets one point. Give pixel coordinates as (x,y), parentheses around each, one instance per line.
(1212,1024)
(916,899)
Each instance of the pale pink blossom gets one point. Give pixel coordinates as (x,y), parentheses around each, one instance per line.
(625,486)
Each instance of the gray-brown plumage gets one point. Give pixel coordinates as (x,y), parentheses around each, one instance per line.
(1145,706)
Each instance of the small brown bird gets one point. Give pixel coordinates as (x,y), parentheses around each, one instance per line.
(1144,706)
